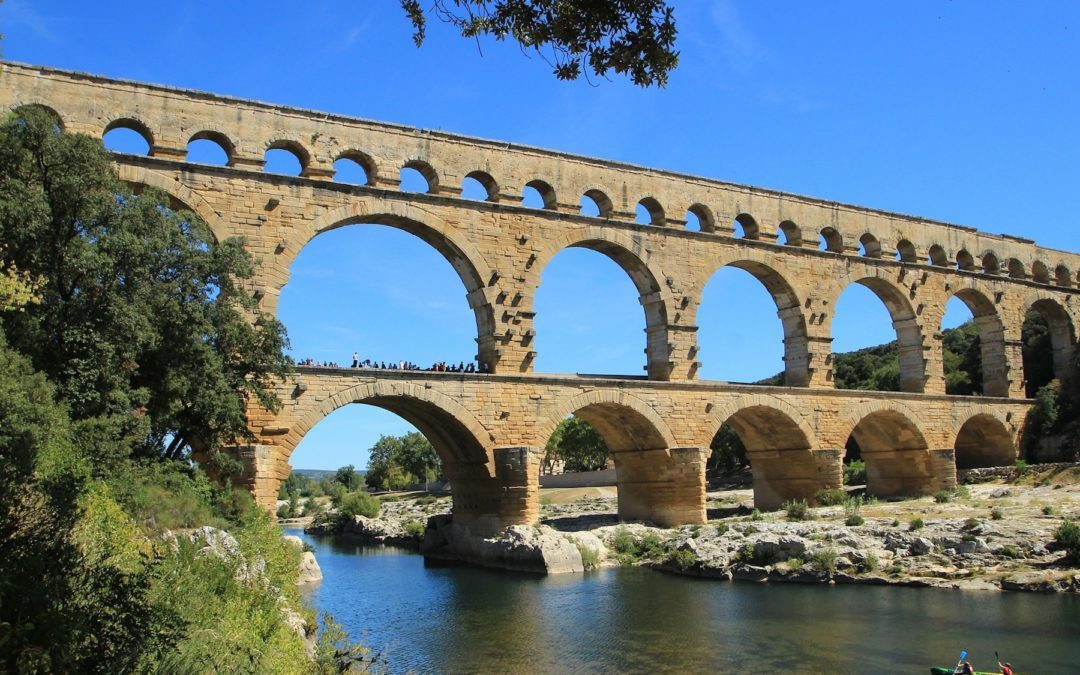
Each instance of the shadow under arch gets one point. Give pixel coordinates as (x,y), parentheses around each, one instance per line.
(995,367)
(984,440)
(788,309)
(908,332)
(467,261)
(1062,333)
(898,458)
(628,252)
(780,446)
(656,482)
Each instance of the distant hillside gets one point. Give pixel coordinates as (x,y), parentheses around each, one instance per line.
(318,474)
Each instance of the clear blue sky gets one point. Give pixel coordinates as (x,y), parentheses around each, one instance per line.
(960,111)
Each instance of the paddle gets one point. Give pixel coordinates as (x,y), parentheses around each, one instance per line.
(963,655)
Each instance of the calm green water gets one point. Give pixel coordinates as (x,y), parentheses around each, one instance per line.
(464,620)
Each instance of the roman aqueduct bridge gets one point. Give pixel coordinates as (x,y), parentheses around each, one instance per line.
(490,428)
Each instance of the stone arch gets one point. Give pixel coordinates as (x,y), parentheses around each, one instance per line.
(992,352)
(905,252)
(223,141)
(491,187)
(645,429)
(48,110)
(628,252)
(833,240)
(965,261)
(938,256)
(792,233)
(750,227)
(705,217)
(909,334)
(871,245)
(780,446)
(762,266)
(1062,276)
(990,263)
(364,160)
(294,147)
(546,192)
(1016,269)
(896,452)
(1040,274)
(428,172)
(602,201)
(1062,332)
(984,439)
(463,256)
(655,211)
(135,124)
(137,176)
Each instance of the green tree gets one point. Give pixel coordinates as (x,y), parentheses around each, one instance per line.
(728,454)
(399,461)
(629,37)
(144,325)
(578,445)
(346,476)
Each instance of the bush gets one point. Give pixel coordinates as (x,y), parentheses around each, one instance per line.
(971,523)
(824,559)
(1048,510)
(630,549)
(283,511)
(796,509)
(683,558)
(852,507)
(996,513)
(1067,536)
(1021,467)
(916,524)
(756,515)
(854,520)
(869,563)
(896,522)
(590,557)
(830,497)
(359,504)
(943,497)
(414,529)
(1009,551)
(855,472)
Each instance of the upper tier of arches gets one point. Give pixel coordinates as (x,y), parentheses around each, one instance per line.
(169,119)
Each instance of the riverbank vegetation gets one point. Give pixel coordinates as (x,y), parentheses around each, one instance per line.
(127,350)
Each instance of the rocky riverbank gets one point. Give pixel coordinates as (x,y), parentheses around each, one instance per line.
(992,536)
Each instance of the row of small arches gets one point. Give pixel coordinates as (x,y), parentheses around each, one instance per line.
(289,157)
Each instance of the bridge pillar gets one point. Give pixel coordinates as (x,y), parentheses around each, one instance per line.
(487,505)
(261,472)
(784,475)
(666,487)
(909,472)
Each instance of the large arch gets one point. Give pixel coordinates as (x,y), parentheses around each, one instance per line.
(656,482)
(463,256)
(780,446)
(788,309)
(1062,333)
(984,440)
(630,254)
(995,364)
(898,461)
(908,332)
(138,177)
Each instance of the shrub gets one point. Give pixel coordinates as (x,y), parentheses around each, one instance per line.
(896,569)
(943,497)
(855,472)
(824,559)
(757,515)
(414,529)
(830,497)
(722,529)
(896,522)
(916,524)
(1009,551)
(1048,510)
(283,511)
(1021,467)
(971,523)
(683,558)
(359,504)
(996,514)
(631,549)
(1067,536)
(796,509)
(590,557)
(869,563)
(852,507)
(795,563)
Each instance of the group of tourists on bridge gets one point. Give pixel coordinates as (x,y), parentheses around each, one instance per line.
(437,367)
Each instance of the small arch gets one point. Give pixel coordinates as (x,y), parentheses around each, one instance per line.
(21,110)
(830,240)
(128,135)
(992,357)
(355,168)
(1062,276)
(285,157)
(789,234)
(537,194)
(983,440)
(746,227)
(209,147)
(706,222)
(990,263)
(965,261)
(869,246)
(895,453)
(937,256)
(419,176)
(481,186)
(1062,342)
(905,252)
(1040,274)
(1016,269)
(595,203)
(649,212)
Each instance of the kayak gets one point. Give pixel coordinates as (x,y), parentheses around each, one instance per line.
(948,670)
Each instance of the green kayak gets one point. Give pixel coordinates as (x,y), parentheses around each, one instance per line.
(947,670)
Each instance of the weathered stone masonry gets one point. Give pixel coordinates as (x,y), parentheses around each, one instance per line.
(489,428)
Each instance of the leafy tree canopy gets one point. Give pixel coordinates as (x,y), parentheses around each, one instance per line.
(631,37)
(399,461)
(578,445)
(142,322)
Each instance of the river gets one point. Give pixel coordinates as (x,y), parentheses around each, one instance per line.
(432,618)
